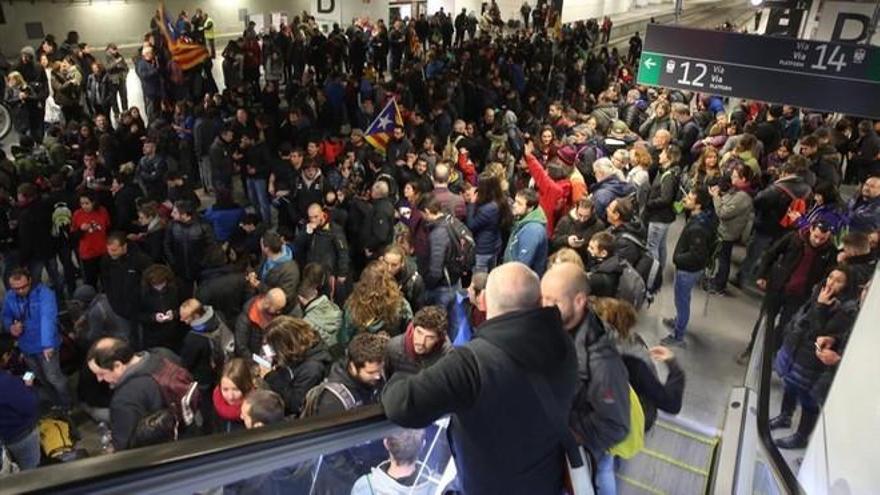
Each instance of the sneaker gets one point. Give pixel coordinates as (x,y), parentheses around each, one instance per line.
(671,341)
(669,323)
(714,291)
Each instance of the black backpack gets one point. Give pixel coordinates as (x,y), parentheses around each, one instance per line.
(462,249)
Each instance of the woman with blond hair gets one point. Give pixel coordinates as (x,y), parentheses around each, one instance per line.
(708,165)
(638,359)
(376,304)
(16,96)
(301,360)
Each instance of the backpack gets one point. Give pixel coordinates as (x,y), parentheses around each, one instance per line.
(462,252)
(797,205)
(635,438)
(179,391)
(647,266)
(222,343)
(57,440)
(631,286)
(61,220)
(313,396)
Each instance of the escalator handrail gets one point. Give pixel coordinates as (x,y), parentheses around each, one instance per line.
(75,476)
(788,478)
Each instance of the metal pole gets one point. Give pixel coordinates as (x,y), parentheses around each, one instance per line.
(679,4)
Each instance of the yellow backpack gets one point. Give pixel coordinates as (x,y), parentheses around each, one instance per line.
(635,438)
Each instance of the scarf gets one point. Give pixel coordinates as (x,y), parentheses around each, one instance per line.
(225,410)
(408,346)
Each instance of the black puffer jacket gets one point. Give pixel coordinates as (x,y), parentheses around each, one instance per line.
(605,276)
(185,246)
(326,246)
(224,288)
(293,381)
(694,248)
(168,334)
(121,280)
(136,395)
(378,228)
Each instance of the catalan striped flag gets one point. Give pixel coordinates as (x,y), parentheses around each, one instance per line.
(185,52)
(379,132)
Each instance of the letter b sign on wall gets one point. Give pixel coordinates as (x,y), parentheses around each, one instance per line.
(326,6)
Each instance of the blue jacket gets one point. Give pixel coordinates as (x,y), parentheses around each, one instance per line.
(224,221)
(607,191)
(39,313)
(19,408)
(528,242)
(483,221)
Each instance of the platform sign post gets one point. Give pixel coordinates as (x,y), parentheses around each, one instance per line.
(824,76)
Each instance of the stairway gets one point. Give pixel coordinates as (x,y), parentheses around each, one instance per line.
(676,460)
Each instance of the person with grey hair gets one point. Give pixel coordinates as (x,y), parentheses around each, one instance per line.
(518,374)
(609,186)
(378,227)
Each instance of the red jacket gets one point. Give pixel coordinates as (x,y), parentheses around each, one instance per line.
(467,169)
(554,196)
(91,244)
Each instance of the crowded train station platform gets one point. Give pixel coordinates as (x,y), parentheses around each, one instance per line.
(439,247)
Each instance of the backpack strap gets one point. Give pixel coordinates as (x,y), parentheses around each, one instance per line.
(342,393)
(635,240)
(786,190)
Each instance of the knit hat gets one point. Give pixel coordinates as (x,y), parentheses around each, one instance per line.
(29,51)
(618,129)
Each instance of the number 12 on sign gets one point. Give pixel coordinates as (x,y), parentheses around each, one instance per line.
(700,70)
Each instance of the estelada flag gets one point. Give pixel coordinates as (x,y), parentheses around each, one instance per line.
(379,132)
(185,52)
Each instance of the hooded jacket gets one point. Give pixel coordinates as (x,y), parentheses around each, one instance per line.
(496,412)
(294,380)
(325,317)
(528,241)
(282,273)
(136,395)
(377,481)
(600,414)
(554,196)
(606,191)
(605,277)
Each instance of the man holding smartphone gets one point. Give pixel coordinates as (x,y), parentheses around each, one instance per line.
(30,314)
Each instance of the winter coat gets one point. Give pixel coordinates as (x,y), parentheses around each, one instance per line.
(363,394)
(528,242)
(735,214)
(38,313)
(378,481)
(496,413)
(150,78)
(626,248)
(92,244)
(223,221)
(185,247)
(222,167)
(570,226)
(168,334)
(411,284)
(326,246)
(605,277)
(661,196)
(136,395)
(484,222)
(325,317)
(600,415)
(350,329)
(294,380)
(772,202)
(35,232)
(864,214)
(249,327)
(450,202)
(650,126)
(19,410)
(378,229)
(606,191)
(197,354)
(121,280)
(780,260)
(826,165)
(433,267)
(554,196)
(399,359)
(282,273)
(223,288)
(694,249)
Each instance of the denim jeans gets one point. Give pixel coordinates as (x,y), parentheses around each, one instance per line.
(258,194)
(684,286)
(443,295)
(605,480)
(51,377)
(757,247)
(657,241)
(723,273)
(26,451)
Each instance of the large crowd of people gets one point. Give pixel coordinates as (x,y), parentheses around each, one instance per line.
(222,260)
